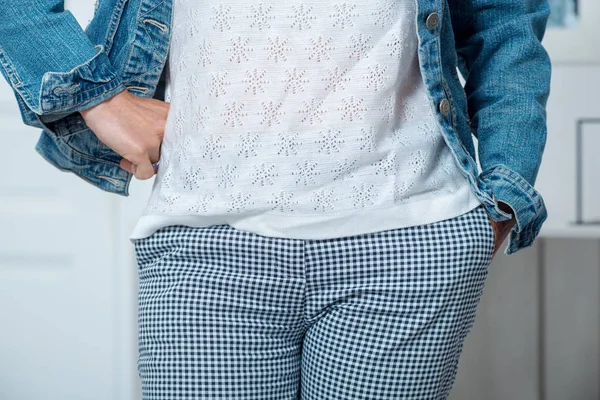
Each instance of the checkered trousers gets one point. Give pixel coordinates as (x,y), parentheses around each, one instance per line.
(229,314)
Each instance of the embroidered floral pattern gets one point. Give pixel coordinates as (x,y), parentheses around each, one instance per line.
(313,111)
(336,79)
(343,15)
(221,17)
(302,16)
(261,16)
(295,80)
(256,81)
(278,49)
(240,49)
(300,107)
(320,48)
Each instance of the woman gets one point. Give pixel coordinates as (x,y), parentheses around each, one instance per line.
(317,228)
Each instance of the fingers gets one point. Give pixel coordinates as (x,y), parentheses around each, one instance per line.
(144,170)
(158,107)
(154,154)
(143,148)
(126,165)
(140,172)
(143,167)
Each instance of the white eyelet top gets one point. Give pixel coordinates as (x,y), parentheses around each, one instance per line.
(301,119)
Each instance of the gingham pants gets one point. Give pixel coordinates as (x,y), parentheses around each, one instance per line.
(229,314)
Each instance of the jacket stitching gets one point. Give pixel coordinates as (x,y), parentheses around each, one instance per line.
(162,27)
(152,9)
(115,22)
(149,36)
(81,93)
(506,173)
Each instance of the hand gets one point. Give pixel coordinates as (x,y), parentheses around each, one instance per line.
(502,228)
(133,127)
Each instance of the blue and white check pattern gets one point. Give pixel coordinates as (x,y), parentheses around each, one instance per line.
(229,314)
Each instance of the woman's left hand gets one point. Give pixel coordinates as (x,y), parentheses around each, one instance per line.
(502,228)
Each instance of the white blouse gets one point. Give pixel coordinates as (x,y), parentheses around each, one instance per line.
(301,119)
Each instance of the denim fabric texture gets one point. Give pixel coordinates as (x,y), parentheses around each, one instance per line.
(57,69)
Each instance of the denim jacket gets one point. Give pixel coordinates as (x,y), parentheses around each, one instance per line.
(57,69)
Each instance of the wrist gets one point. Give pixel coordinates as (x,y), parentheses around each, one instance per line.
(100,107)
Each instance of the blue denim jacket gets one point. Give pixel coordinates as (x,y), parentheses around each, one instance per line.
(56,69)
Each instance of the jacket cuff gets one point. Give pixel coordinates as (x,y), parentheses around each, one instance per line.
(82,87)
(104,173)
(505,185)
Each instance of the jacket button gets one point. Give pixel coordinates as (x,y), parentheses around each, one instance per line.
(444,107)
(432,21)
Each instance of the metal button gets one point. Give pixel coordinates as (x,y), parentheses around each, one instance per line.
(444,107)
(432,21)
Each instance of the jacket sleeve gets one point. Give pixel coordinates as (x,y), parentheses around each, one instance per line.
(507,73)
(49,61)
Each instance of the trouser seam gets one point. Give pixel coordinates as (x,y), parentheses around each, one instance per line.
(304,287)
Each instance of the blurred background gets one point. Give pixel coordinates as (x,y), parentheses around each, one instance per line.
(68,288)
